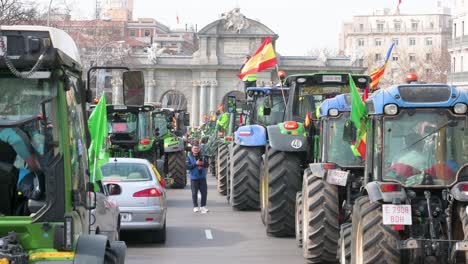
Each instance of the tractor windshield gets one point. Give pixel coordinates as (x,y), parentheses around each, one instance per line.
(424,147)
(308,97)
(277,110)
(144,130)
(21,99)
(337,150)
(160,124)
(122,123)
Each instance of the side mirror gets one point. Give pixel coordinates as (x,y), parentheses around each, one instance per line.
(134,87)
(90,200)
(113,189)
(349,132)
(266,111)
(186,119)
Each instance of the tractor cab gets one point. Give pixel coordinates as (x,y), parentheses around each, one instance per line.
(417,174)
(266,105)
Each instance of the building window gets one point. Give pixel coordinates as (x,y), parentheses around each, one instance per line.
(378,42)
(380,27)
(397,27)
(132,33)
(396,41)
(428,56)
(412,42)
(108,82)
(414,26)
(360,42)
(378,57)
(454,30)
(361,27)
(412,57)
(428,41)
(147,33)
(431,25)
(395,57)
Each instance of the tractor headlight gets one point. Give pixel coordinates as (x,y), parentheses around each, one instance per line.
(391,109)
(460,108)
(333,112)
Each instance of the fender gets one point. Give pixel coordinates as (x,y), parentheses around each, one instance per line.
(145,147)
(375,193)
(90,249)
(173,144)
(317,170)
(286,142)
(250,136)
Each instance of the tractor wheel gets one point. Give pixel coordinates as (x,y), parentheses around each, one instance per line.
(284,181)
(461,209)
(263,192)
(176,169)
(229,173)
(371,240)
(321,228)
(344,244)
(245,171)
(149,155)
(213,165)
(299,221)
(222,168)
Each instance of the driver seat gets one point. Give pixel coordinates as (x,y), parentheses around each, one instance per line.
(8,180)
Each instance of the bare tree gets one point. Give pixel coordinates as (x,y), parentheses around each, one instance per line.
(14,12)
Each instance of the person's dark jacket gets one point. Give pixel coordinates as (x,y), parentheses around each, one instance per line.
(196,172)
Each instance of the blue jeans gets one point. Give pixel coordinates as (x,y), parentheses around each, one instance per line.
(199,185)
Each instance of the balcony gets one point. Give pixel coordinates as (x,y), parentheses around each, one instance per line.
(401,30)
(457,77)
(459,42)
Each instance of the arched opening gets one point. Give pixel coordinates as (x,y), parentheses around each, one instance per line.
(174,99)
(237,94)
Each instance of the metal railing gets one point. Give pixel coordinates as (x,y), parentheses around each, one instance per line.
(458,42)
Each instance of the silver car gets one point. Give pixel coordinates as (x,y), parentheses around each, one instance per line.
(141,197)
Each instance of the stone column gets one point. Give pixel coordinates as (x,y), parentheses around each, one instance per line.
(195,103)
(214,84)
(117,96)
(203,102)
(151,91)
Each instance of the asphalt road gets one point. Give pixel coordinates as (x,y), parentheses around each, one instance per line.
(220,236)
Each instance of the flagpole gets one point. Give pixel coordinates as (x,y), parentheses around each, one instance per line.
(281,85)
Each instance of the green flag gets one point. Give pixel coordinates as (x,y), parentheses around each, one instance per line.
(358,117)
(97,124)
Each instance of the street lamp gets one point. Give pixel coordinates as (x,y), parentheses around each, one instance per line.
(98,55)
(48,13)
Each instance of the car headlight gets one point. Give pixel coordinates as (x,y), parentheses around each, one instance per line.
(391,109)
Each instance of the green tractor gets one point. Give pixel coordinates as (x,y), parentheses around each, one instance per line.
(171,147)
(291,146)
(62,219)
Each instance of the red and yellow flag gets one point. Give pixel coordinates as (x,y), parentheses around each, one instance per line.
(263,58)
(377,74)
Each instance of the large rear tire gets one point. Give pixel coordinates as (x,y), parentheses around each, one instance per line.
(244,175)
(222,168)
(344,244)
(321,227)
(371,240)
(228,174)
(299,209)
(284,181)
(176,169)
(263,192)
(461,210)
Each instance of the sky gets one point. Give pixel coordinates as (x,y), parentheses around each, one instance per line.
(302,25)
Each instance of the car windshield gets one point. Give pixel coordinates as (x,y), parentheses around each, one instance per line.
(120,171)
(424,147)
(21,98)
(160,124)
(122,123)
(339,151)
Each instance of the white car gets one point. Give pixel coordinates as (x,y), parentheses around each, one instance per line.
(142,195)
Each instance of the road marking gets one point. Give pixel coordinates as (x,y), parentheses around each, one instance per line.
(208,234)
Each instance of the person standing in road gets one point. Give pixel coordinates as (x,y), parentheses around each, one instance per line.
(197,165)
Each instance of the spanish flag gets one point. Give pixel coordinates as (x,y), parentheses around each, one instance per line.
(377,74)
(263,58)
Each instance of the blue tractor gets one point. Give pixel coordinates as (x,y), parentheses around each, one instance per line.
(413,208)
(330,185)
(265,107)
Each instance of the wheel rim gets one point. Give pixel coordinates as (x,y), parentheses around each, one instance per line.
(359,247)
